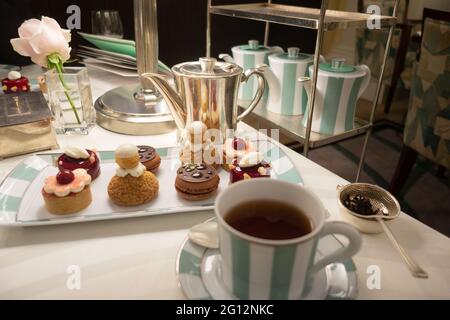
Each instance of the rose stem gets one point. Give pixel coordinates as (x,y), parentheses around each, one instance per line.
(59,69)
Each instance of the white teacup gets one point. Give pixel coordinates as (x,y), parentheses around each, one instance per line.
(260,269)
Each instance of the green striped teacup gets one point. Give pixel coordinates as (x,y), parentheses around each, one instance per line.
(259,269)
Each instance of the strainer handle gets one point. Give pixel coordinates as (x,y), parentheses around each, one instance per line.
(342,254)
(412,265)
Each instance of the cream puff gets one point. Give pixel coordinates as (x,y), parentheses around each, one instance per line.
(127,156)
(132,185)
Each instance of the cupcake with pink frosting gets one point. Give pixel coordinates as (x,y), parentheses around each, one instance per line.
(68,192)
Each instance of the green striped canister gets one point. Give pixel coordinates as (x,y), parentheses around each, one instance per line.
(338,92)
(249,57)
(286,95)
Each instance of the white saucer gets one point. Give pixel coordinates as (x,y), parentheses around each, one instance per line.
(199,275)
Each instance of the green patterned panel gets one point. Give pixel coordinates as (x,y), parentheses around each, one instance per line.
(371,44)
(427,127)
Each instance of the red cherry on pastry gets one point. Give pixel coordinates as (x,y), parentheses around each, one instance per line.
(239,144)
(65,177)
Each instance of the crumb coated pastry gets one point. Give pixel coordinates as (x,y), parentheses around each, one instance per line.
(132,186)
(251,166)
(131,191)
(149,158)
(77,158)
(127,156)
(197,182)
(68,192)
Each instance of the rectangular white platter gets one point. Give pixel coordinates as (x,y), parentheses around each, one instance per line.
(21,203)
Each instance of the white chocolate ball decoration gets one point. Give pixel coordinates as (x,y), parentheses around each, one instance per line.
(127,151)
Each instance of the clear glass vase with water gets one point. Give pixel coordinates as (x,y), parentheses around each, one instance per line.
(70,98)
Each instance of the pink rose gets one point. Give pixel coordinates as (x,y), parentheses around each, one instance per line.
(40,39)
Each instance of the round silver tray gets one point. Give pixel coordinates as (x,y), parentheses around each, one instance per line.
(118,111)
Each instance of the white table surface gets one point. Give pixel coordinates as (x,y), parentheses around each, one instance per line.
(135,259)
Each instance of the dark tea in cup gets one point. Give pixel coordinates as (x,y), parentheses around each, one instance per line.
(269,220)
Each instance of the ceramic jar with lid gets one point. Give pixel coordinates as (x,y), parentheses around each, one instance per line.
(250,56)
(339,86)
(286,95)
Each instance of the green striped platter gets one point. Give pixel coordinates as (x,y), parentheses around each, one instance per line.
(21,203)
(198,273)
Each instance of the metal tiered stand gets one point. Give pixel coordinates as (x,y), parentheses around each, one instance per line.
(321,20)
(138,109)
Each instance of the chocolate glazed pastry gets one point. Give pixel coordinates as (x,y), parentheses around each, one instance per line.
(197,182)
(149,158)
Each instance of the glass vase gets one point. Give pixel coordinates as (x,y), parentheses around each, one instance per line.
(70,98)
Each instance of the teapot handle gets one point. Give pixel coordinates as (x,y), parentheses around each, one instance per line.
(366,81)
(259,94)
(276,49)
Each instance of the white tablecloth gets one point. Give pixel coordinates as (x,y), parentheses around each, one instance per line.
(135,259)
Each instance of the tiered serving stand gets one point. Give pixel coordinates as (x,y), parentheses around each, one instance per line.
(321,20)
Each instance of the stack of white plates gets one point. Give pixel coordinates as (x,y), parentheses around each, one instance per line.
(112,55)
(116,63)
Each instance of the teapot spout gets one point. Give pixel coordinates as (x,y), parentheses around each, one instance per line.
(227,58)
(173,100)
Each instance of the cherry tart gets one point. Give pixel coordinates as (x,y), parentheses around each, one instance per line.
(87,160)
(252,166)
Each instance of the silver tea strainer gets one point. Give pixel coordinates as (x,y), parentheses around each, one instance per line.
(385,208)
(381,200)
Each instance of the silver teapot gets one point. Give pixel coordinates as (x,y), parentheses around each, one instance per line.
(207,91)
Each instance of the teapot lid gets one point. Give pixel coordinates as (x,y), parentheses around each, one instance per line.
(337,65)
(293,54)
(208,68)
(253,45)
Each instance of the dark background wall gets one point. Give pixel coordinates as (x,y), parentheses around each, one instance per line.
(182,26)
